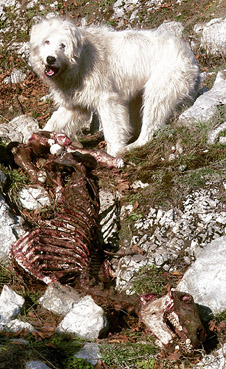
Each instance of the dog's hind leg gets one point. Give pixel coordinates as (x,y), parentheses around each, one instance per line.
(161,97)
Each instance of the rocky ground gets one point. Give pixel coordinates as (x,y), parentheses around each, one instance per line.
(162,215)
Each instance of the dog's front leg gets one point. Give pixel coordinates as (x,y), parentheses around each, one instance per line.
(114,117)
(68,121)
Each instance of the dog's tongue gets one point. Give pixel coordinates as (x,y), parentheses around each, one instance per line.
(49,71)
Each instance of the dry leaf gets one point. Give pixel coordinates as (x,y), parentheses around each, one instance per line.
(135,205)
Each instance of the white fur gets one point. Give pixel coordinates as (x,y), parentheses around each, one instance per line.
(109,72)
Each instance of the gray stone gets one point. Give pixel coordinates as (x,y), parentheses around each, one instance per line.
(213,35)
(17,325)
(10,305)
(86,320)
(11,228)
(90,352)
(216,360)
(205,106)
(163,235)
(15,77)
(205,280)
(59,299)
(3,177)
(175,28)
(19,129)
(214,135)
(34,197)
(36,365)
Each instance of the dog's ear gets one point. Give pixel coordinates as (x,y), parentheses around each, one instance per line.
(37,29)
(74,42)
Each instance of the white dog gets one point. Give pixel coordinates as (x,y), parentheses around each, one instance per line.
(96,69)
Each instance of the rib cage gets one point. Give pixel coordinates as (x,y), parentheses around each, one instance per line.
(60,247)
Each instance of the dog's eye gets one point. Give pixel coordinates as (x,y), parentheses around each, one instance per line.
(47,42)
(62,46)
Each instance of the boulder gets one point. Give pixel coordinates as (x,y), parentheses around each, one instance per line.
(36,365)
(59,299)
(213,35)
(205,280)
(216,360)
(90,352)
(10,229)
(19,129)
(34,197)
(205,106)
(86,320)
(10,305)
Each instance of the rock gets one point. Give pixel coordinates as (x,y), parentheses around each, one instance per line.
(19,129)
(214,135)
(10,305)
(205,106)
(163,235)
(34,197)
(15,77)
(213,36)
(86,320)
(90,352)
(11,228)
(216,360)
(36,365)
(175,28)
(205,280)
(17,325)
(59,299)
(139,184)
(3,177)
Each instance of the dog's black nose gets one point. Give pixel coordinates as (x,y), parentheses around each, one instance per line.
(50,60)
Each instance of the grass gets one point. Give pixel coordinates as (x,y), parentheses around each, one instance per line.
(149,279)
(56,352)
(129,355)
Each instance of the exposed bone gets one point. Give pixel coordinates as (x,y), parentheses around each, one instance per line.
(173,319)
(60,246)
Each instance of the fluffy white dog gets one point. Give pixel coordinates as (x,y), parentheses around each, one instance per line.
(133,80)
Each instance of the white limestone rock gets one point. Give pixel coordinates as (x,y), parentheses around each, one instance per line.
(59,299)
(176,28)
(205,106)
(215,134)
(86,320)
(90,352)
(36,365)
(11,228)
(19,129)
(17,325)
(205,280)
(10,305)
(34,197)
(213,36)
(216,360)
(15,77)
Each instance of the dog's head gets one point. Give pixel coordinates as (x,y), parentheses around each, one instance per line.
(55,45)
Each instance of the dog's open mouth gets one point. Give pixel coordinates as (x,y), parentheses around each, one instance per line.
(51,71)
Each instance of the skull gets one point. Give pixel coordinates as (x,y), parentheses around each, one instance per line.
(174,320)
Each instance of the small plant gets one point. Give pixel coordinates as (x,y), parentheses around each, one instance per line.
(149,279)
(75,363)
